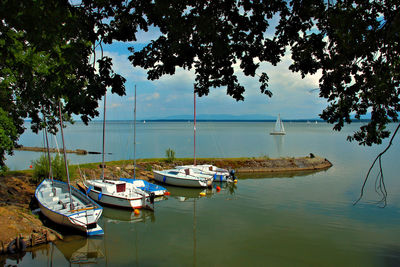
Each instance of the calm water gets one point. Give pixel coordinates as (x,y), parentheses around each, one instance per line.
(302,219)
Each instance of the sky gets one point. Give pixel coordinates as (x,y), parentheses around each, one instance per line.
(173,95)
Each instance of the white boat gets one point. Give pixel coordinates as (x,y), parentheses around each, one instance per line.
(63,204)
(118,194)
(218,174)
(144,185)
(183,177)
(279,129)
(55,203)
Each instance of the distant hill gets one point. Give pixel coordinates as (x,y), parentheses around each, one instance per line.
(220,117)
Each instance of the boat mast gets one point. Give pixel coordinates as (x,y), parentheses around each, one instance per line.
(134,138)
(65,156)
(104,135)
(48,149)
(194,150)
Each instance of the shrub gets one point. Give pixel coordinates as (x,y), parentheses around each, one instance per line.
(41,168)
(170,155)
(149,167)
(3,170)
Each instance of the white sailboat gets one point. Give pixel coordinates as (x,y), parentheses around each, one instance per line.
(120,194)
(279,129)
(144,185)
(185,175)
(63,204)
(218,174)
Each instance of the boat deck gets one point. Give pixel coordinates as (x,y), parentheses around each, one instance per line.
(57,198)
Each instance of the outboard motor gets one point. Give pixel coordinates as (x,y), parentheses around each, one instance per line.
(232,175)
(152,197)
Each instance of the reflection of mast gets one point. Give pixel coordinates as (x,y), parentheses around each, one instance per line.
(134,139)
(194,232)
(279,139)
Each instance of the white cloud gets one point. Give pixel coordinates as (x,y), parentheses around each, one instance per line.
(173,94)
(152,96)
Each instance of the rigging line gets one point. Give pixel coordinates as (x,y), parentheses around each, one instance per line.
(380,168)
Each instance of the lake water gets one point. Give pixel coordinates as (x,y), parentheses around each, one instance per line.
(294,219)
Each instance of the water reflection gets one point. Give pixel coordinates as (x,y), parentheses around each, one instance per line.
(262,175)
(184,194)
(80,250)
(112,215)
(279,142)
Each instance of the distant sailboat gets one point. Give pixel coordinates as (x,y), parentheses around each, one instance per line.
(279,129)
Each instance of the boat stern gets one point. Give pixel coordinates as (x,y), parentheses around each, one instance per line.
(94,229)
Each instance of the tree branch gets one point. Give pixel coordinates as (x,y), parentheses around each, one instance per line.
(380,181)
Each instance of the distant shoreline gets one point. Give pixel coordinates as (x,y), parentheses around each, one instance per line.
(209,120)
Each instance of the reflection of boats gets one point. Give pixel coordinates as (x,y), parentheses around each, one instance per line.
(120,215)
(184,194)
(279,129)
(183,177)
(82,250)
(64,205)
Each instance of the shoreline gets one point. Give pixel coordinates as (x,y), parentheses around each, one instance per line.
(17,188)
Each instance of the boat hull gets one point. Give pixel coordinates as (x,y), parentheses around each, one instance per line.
(146,186)
(117,201)
(277,133)
(218,175)
(164,177)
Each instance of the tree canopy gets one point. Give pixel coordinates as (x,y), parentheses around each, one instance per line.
(47,51)
(46,56)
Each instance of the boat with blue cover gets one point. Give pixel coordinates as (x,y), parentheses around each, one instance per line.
(146,186)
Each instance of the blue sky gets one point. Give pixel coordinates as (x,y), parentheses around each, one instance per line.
(173,95)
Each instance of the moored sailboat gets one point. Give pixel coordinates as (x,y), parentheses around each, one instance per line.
(144,185)
(63,204)
(185,175)
(217,174)
(118,194)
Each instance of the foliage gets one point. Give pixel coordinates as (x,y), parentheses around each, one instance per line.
(170,155)
(354,44)
(3,170)
(41,168)
(47,53)
(8,137)
(149,167)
